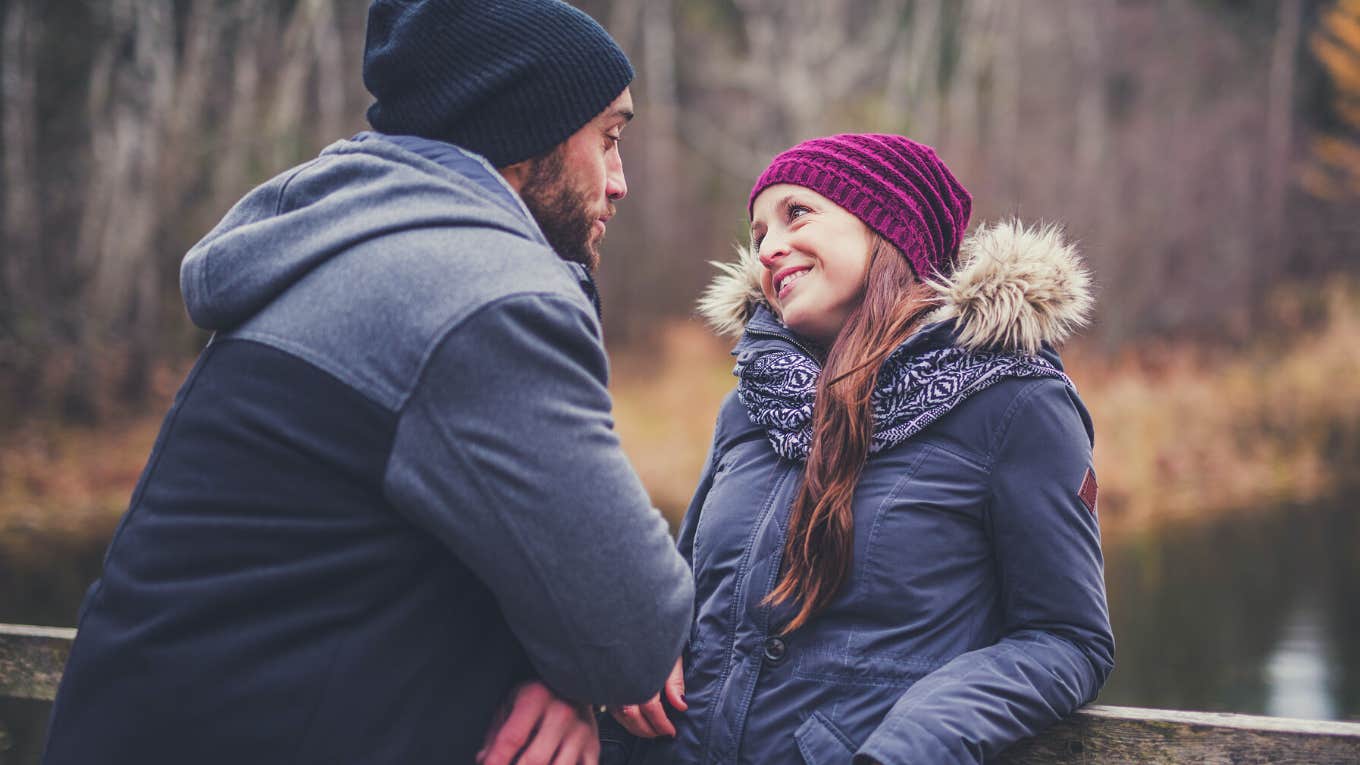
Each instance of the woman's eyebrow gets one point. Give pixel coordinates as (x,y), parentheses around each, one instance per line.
(780,206)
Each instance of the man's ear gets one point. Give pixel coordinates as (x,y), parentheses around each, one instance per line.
(516,174)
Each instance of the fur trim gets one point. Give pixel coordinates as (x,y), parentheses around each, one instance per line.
(731,298)
(1015,288)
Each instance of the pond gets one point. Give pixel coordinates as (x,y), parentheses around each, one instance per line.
(1258,614)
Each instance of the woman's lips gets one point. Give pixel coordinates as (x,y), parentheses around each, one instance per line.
(787,277)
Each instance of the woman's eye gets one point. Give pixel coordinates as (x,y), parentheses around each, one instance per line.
(798,211)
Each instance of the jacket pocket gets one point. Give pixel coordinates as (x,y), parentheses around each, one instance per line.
(821,744)
(616,744)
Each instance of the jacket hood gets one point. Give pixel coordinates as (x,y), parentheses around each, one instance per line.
(1016,288)
(354,191)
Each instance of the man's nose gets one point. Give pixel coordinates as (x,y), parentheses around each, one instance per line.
(615,186)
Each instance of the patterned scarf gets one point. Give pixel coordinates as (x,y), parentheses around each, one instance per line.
(913,390)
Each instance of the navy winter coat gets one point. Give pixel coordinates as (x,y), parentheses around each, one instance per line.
(975,611)
(389,489)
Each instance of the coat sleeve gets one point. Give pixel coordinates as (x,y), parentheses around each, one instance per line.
(1057,647)
(688,525)
(506,452)
(617,745)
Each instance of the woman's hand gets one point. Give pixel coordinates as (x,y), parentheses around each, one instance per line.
(648,720)
(542,729)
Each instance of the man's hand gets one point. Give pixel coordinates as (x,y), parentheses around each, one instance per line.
(649,720)
(542,729)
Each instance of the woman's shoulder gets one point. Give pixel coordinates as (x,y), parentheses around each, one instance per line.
(734,422)
(1042,410)
(980,424)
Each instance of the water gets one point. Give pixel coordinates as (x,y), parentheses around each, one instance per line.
(1256,615)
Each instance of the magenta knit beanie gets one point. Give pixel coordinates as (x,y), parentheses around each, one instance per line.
(898,187)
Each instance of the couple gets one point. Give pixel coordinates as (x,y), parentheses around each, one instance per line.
(387,519)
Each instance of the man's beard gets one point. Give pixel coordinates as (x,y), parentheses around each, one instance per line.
(562,212)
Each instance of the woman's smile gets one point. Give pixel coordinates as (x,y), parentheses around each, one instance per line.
(783,281)
(798,232)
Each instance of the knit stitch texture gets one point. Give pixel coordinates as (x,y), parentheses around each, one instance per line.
(898,187)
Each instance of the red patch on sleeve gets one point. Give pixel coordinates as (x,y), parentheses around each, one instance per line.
(1088,491)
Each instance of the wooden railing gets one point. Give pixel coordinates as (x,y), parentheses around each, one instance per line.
(32,658)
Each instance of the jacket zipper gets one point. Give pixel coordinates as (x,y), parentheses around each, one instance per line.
(786,338)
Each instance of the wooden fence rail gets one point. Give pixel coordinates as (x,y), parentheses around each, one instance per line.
(31,661)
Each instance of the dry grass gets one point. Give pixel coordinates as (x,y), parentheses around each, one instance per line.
(68,482)
(665,406)
(1182,433)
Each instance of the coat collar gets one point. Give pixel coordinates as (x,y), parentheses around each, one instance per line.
(1016,288)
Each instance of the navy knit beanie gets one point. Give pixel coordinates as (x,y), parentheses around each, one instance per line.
(508,79)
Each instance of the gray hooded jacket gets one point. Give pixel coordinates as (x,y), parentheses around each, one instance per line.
(389,489)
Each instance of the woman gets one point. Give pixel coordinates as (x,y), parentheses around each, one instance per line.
(894,543)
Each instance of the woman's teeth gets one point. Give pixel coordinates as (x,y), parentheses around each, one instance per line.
(790,279)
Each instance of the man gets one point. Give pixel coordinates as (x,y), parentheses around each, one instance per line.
(390,492)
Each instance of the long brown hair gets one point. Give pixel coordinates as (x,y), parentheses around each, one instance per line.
(819,542)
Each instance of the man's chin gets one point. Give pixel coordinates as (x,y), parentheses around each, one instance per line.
(592,250)
(587,255)
(592,259)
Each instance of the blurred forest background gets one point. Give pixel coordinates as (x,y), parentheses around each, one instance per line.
(1204,153)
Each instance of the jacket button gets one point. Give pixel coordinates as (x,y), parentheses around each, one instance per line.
(775,650)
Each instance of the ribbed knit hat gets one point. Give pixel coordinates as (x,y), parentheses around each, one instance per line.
(898,187)
(508,79)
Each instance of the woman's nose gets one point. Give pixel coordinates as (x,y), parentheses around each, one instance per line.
(771,248)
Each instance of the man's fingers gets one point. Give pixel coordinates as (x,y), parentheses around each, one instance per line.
(573,745)
(655,715)
(519,725)
(631,720)
(675,687)
(552,730)
(630,717)
(590,755)
(570,752)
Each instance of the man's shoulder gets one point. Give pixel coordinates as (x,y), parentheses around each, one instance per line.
(375,313)
(459,270)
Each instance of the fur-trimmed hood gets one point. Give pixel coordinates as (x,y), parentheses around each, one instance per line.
(1015,288)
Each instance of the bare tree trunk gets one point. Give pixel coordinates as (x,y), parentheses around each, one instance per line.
(130,116)
(1095,206)
(288,103)
(1005,117)
(962,138)
(255,30)
(623,22)
(331,74)
(19,91)
(23,327)
(912,94)
(664,195)
(183,153)
(1279,141)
